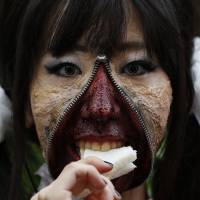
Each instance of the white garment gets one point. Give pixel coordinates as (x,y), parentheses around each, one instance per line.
(196,78)
(5,114)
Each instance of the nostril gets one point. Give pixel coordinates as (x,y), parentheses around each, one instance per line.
(100,120)
(104,110)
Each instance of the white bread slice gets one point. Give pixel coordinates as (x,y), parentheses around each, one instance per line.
(121,158)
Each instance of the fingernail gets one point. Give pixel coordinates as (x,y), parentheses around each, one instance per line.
(109,163)
(105,182)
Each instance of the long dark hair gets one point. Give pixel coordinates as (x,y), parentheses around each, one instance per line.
(168,31)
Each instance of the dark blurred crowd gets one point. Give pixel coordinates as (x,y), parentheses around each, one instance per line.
(197,16)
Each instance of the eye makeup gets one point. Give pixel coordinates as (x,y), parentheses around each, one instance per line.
(65,66)
(138,67)
(64,69)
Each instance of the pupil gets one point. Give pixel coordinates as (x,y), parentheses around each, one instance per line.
(133,68)
(69,70)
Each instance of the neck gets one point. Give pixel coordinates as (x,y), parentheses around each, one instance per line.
(138,193)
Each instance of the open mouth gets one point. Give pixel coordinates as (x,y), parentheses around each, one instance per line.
(74,133)
(68,146)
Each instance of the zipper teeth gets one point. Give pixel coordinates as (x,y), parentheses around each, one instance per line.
(138,113)
(73,102)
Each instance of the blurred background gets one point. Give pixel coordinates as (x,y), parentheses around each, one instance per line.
(197,16)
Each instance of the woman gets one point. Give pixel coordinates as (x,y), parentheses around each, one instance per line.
(102,74)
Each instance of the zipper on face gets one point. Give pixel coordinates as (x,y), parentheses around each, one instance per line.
(101,59)
(134,108)
(71,104)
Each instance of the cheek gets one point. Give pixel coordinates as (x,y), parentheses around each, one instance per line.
(47,103)
(155,107)
(154,101)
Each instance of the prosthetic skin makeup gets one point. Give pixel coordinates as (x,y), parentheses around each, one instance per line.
(82,100)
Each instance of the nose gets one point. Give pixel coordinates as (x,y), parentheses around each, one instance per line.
(100,99)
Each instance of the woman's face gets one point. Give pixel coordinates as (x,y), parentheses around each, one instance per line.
(73,109)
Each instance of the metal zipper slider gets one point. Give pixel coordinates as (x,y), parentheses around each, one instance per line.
(102,59)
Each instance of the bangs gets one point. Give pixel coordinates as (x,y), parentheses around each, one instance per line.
(102,23)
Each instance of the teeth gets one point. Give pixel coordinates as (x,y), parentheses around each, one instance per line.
(82,145)
(105,146)
(114,145)
(119,144)
(98,146)
(88,145)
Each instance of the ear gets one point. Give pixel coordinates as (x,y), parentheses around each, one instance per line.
(29,122)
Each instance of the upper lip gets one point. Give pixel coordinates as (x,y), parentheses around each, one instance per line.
(108,130)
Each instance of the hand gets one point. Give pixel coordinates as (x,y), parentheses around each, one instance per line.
(77,176)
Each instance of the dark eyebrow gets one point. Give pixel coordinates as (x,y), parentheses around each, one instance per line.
(131,45)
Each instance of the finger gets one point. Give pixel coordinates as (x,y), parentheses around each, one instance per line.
(105,194)
(35,197)
(116,194)
(108,193)
(78,173)
(100,165)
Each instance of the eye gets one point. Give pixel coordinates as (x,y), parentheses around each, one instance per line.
(138,67)
(66,69)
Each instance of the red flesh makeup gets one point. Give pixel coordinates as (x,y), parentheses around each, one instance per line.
(101,114)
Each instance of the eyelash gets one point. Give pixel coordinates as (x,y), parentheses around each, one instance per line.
(138,67)
(61,69)
(134,68)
